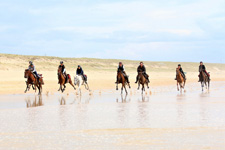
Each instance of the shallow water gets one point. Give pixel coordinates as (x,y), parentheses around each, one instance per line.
(161,118)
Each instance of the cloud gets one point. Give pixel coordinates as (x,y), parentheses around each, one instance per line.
(137,29)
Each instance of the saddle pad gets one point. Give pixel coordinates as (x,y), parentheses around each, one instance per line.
(68,76)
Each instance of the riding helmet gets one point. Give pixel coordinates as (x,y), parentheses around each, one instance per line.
(120,63)
(61,62)
(179,64)
(30,62)
(201,62)
(78,66)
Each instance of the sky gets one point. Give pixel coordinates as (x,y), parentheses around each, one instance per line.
(148,30)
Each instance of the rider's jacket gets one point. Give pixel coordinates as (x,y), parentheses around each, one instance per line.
(80,71)
(63,68)
(32,68)
(120,68)
(202,68)
(181,70)
(141,69)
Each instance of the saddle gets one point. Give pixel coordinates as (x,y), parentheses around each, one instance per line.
(85,77)
(67,77)
(39,75)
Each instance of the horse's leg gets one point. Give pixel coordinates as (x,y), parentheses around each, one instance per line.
(177,86)
(61,88)
(117,86)
(208,84)
(26,88)
(122,89)
(64,87)
(202,84)
(35,87)
(39,89)
(86,86)
(79,88)
(71,83)
(147,85)
(138,86)
(181,87)
(125,88)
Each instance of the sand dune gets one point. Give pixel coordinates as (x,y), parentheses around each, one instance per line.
(101,72)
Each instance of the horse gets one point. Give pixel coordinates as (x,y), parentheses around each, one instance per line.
(123,81)
(180,80)
(142,80)
(78,80)
(62,81)
(31,80)
(204,79)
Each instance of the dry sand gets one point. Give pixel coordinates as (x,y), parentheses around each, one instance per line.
(101,72)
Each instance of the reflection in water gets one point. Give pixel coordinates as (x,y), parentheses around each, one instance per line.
(62,101)
(35,102)
(123,99)
(180,108)
(144,98)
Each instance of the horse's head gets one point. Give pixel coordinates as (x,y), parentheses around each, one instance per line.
(177,71)
(59,71)
(119,75)
(26,73)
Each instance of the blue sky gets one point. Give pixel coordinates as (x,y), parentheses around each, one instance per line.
(162,30)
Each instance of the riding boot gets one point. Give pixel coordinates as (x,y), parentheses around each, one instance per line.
(127,79)
(136,79)
(175,78)
(148,79)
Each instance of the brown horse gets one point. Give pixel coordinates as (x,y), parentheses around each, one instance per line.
(204,79)
(123,81)
(31,80)
(180,80)
(142,80)
(62,80)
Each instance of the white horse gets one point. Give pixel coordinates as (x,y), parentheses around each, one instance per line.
(78,80)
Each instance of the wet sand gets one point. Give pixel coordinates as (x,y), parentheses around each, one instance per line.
(161,118)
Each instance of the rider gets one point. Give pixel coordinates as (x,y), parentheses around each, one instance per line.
(203,68)
(32,69)
(122,69)
(81,72)
(141,68)
(63,69)
(181,71)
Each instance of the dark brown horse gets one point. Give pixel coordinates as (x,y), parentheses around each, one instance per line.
(31,80)
(142,80)
(123,81)
(180,80)
(62,80)
(204,79)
